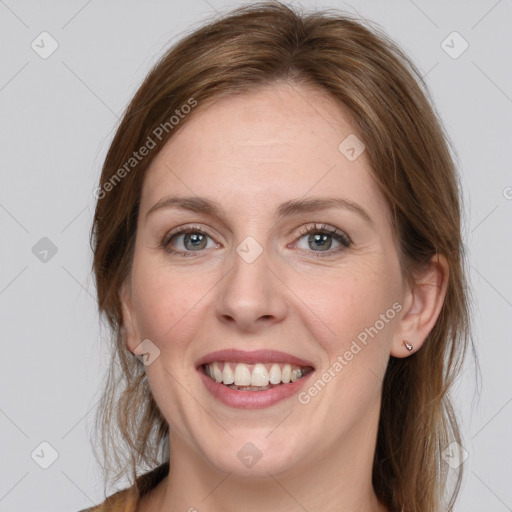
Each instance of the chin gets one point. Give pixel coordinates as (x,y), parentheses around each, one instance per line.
(255,455)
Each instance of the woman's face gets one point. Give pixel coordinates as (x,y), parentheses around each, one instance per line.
(287,249)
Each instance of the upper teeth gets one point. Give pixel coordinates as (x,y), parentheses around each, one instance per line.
(253,375)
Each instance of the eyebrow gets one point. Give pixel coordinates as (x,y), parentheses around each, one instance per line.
(288,208)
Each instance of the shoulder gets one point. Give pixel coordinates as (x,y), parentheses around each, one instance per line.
(121,501)
(127,500)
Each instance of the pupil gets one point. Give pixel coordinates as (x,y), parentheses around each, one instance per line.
(321,238)
(197,240)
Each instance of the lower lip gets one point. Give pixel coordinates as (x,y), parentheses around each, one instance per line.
(252,399)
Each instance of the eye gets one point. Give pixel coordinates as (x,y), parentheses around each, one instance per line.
(190,239)
(187,240)
(321,239)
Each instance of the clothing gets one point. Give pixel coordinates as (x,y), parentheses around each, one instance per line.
(128,499)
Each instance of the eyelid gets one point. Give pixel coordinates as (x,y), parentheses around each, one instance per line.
(183,229)
(322,227)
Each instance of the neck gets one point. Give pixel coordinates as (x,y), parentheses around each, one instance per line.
(340,480)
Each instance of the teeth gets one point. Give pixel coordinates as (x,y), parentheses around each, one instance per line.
(253,376)
(217,374)
(260,376)
(242,375)
(227,374)
(286,373)
(296,374)
(275,374)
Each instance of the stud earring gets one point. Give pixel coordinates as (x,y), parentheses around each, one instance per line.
(408,346)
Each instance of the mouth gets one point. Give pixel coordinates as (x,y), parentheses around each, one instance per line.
(258,370)
(260,376)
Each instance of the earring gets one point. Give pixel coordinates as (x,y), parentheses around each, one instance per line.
(408,346)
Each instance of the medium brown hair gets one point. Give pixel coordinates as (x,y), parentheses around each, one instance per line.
(357,65)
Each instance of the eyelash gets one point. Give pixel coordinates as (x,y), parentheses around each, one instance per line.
(339,236)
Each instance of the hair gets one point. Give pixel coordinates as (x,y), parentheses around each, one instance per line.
(357,65)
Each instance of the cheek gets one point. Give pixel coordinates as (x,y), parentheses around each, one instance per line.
(341,305)
(168,303)
(353,320)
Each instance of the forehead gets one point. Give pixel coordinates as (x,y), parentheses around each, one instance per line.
(274,144)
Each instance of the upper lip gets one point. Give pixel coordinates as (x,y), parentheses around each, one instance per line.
(255,356)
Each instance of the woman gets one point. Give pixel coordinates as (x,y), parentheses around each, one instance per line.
(277,250)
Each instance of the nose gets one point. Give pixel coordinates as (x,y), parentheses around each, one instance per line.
(251,295)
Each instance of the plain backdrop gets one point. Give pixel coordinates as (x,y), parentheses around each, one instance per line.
(58,115)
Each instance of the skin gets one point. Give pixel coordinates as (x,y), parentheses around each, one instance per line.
(250,153)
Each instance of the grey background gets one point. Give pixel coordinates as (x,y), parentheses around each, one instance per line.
(57,118)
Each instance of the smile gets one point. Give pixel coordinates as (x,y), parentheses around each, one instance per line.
(253,380)
(254,377)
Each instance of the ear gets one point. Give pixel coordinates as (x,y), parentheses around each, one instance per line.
(422,305)
(129,326)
